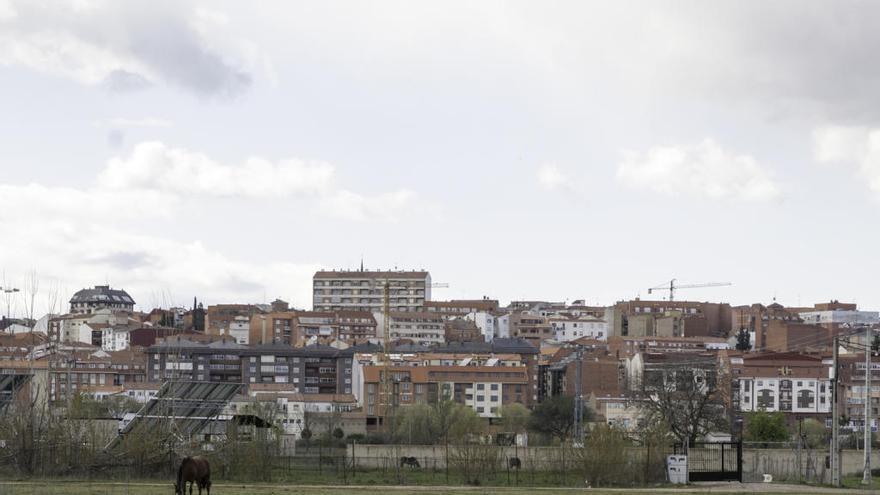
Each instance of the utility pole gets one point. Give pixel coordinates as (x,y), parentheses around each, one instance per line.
(579,399)
(866,474)
(835,420)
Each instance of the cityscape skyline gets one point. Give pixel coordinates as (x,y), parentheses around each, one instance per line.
(576,150)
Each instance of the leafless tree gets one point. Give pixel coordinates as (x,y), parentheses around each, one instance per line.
(684,397)
(30,289)
(53,297)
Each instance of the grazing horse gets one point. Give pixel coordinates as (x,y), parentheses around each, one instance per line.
(409,461)
(514,462)
(193,470)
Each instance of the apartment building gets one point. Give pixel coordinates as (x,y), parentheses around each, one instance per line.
(311,370)
(637,318)
(852,391)
(484,359)
(299,328)
(570,327)
(418,327)
(601,373)
(787,336)
(461,330)
(94,372)
(461,307)
(88,301)
(484,388)
(756,319)
(835,314)
(626,347)
(220,318)
(365,290)
(533,328)
(789,382)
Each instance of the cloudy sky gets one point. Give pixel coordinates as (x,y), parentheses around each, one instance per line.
(553,150)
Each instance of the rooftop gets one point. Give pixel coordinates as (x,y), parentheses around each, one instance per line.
(102,294)
(370,274)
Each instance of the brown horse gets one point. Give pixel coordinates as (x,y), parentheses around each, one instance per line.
(193,470)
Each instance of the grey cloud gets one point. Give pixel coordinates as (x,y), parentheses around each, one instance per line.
(805,58)
(122,81)
(135,44)
(123,260)
(115,138)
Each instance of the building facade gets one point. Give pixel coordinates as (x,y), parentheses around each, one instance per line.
(365,290)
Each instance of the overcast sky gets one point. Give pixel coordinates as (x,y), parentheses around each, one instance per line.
(519,150)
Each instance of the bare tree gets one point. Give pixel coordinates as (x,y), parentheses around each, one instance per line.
(53,297)
(30,289)
(685,397)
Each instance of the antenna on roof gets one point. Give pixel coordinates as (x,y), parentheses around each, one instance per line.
(362,262)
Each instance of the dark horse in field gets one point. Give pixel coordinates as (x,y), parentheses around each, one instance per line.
(409,461)
(193,470)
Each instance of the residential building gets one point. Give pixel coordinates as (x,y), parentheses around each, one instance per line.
(637,318)
(756,320)
(221,317)
(88,301)
(311,370)
(852,392)
(570,327)
(461,330)
(461,307)
(533,328)
(417,327)
(789,382)
(787,336)
(365,290)
(484,388)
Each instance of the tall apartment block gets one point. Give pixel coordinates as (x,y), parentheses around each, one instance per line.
(364,290)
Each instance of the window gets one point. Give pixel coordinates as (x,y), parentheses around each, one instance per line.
(766,399)
(480,386)
(494,386)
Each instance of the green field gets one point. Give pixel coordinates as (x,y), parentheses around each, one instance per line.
(133,488)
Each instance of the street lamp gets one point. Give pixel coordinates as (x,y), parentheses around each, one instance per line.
(8,291)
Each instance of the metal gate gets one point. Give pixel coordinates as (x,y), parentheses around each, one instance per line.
(713,461)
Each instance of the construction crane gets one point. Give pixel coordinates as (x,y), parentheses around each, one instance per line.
(672,287)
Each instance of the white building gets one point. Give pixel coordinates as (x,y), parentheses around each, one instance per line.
(572,328)
(485,321)
(796,395)
(113,338)
(843,317)
(484,398)
(240,329)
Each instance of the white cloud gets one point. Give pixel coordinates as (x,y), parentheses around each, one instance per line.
(703,170)
(551,177)
(850,145)
(87,236)
(155,166)
(387,207)
(143,122)
(80,251)
(125,45)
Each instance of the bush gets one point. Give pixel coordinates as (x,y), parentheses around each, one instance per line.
(605,457)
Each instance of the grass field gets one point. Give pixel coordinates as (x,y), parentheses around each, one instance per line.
(133,488)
